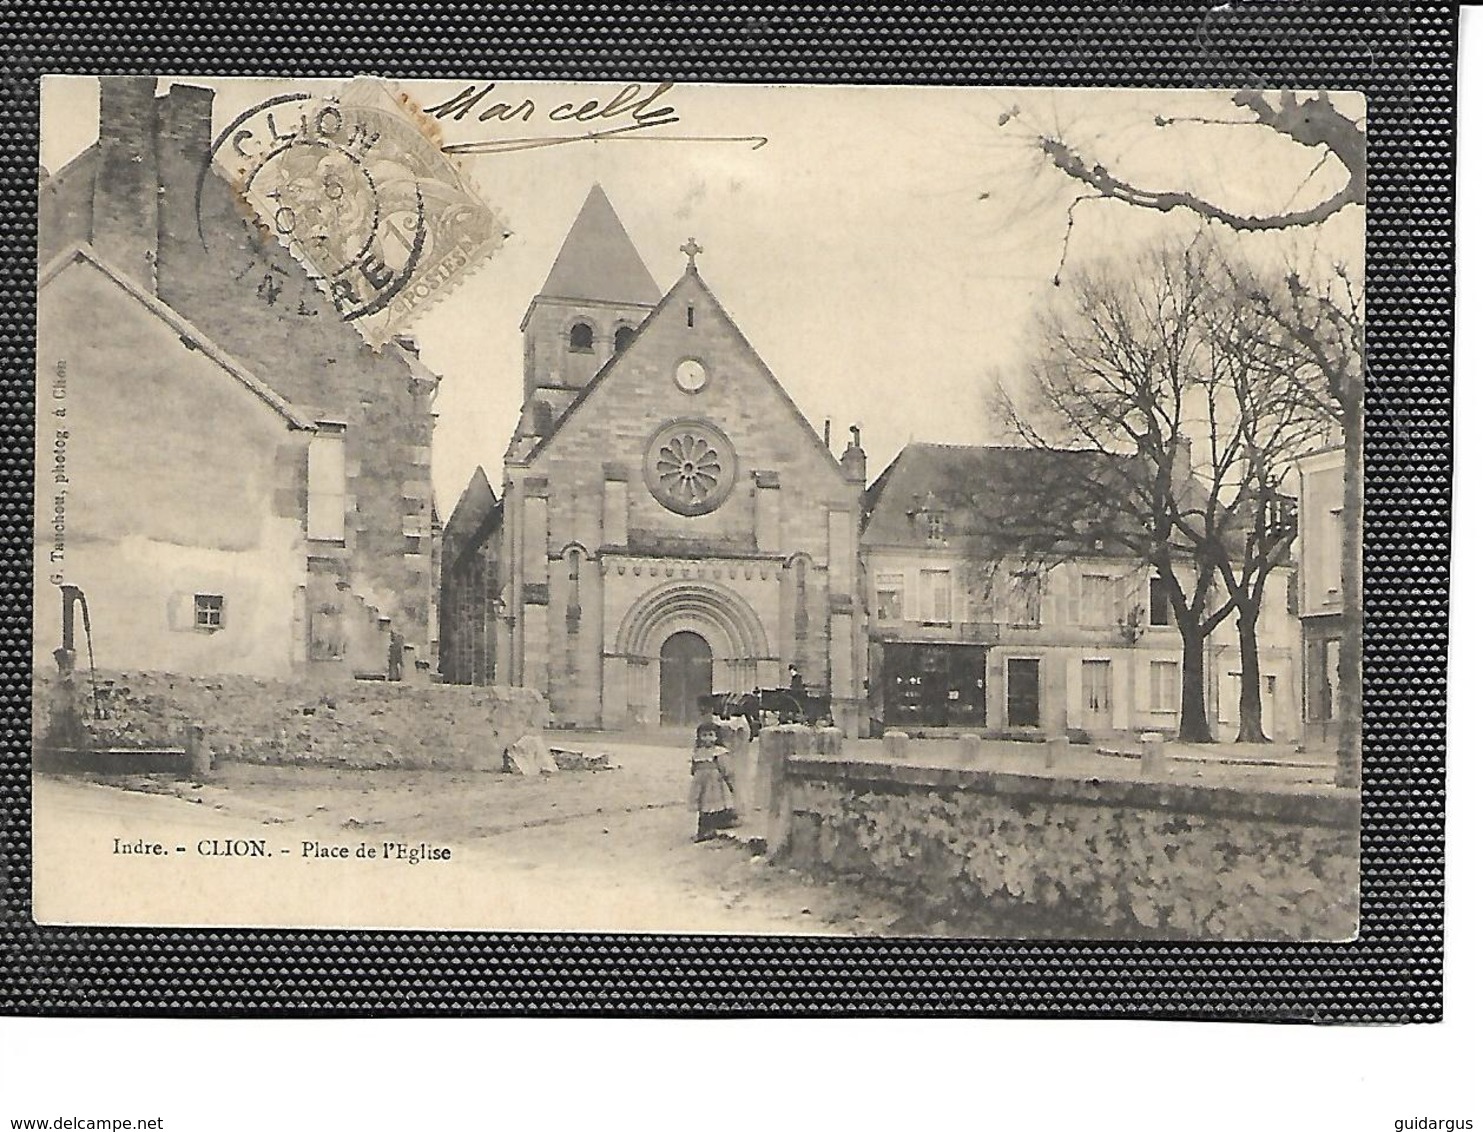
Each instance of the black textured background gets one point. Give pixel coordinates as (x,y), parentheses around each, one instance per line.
(1401,55)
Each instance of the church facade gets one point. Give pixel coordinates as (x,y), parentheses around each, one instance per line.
(669,524)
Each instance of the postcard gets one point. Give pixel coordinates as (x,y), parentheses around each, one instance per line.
(723,509)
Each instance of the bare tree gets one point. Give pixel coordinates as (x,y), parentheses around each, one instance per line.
(1327,323)
(1120,365)
(1260,414)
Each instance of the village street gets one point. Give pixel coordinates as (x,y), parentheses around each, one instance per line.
(594,850)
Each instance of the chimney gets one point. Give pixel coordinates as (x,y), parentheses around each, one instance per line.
(126,188)
(184,117)
(853,458)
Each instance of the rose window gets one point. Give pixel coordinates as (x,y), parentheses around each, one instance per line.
(690,467)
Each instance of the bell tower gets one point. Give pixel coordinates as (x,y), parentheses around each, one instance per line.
(597,294)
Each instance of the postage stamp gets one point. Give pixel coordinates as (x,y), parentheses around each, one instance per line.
(357,185)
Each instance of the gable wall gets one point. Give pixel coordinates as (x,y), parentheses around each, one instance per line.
(167,478)
(639,395)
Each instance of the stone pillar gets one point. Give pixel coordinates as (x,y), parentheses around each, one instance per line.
(1057,751)
(895,744)
(772,800)
(1152,760)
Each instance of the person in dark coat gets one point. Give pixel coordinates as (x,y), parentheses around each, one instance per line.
(712,783)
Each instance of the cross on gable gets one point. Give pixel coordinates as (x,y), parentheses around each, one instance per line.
(691,249)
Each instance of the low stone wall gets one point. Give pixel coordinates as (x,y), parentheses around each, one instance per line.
(998,853)
(248,719)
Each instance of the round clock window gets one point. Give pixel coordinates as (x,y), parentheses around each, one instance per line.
(690,375)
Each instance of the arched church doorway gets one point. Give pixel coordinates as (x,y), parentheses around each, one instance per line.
(684,676)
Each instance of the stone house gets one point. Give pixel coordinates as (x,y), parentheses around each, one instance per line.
(247,483)
(1320,592)
(669,523)
(1085,645)
(469,586)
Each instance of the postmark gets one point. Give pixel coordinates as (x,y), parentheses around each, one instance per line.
(356,186)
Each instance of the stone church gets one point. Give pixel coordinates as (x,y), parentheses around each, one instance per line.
(668,522)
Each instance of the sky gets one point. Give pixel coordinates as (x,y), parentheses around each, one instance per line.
(886,251)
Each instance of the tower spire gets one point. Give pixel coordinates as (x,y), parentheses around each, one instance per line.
(598,260)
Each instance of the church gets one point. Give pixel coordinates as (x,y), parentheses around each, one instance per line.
(668,523)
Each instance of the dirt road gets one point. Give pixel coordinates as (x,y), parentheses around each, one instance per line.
(602,850)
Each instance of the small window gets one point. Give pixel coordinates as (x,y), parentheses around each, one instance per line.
(622,337)
(209,610)
(1159,612)
(690,315)
(888,595)
(1163,684)
(936,525)
(580,339)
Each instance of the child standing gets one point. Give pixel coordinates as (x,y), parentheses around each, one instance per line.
(712,783)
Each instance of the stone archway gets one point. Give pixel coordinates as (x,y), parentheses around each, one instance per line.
(719,617)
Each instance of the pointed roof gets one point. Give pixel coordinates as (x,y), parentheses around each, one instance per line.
(691,276)
(599,261)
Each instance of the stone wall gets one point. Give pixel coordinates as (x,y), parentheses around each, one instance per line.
(995,853)
(245,719)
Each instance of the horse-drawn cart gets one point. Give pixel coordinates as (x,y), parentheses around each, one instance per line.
(771,705)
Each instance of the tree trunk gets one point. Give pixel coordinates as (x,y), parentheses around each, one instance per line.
(1194,727)
(1351,588)
(1251,679)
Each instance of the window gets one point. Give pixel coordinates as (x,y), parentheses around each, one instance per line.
(1159,610)
(1096,690)
(888,596)
(1024,599)
(936,522)
(580,339)
(937,596)
(1163,685)
(1096,599)
(209,609)
(690,315)
(326,517)
(622,337)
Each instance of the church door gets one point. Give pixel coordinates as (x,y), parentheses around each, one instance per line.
(684,676)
